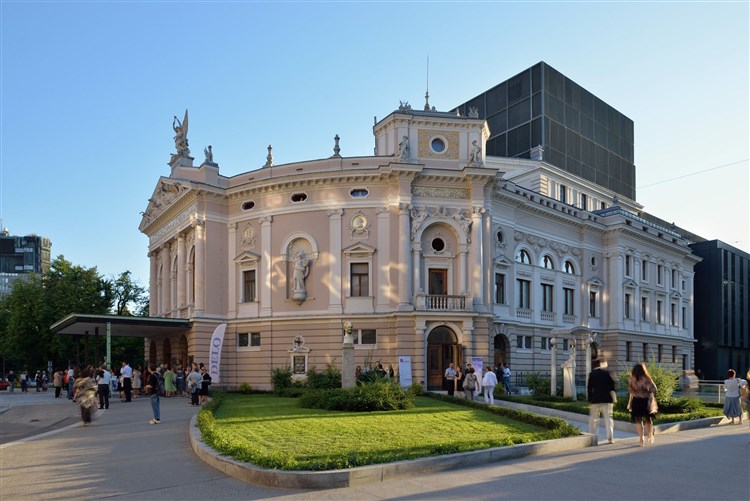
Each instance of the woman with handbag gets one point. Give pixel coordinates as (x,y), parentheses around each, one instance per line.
(470,383)
(643,407)
(732,405)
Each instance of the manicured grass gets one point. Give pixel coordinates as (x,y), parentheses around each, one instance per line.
(620,414)
(275,432)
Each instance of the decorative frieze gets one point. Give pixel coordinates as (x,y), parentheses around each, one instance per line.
(174,224)
(435,192)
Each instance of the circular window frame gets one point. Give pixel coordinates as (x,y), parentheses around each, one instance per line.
(440,243)
(249,205)
(441,140)
(300,197)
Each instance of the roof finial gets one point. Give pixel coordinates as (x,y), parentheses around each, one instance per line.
(427,92)
(269,158)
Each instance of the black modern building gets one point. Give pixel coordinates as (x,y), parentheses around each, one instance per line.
(21,256)
(722,314)
(577,131)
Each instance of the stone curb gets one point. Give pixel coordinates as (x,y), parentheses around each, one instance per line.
(378,472)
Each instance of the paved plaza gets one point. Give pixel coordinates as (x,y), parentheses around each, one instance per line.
(46,454)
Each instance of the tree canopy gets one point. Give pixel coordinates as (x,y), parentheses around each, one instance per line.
(38,302)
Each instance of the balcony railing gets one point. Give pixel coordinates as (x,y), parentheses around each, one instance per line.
(442,302)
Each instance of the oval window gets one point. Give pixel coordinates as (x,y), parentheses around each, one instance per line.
(299,197)
(248,205)
(359,193)
(438,145)
(438,245)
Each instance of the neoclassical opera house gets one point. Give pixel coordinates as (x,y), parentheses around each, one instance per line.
(432,251)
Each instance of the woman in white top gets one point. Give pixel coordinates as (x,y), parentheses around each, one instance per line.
(732,407)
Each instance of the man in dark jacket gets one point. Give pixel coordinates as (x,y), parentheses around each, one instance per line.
(601,397)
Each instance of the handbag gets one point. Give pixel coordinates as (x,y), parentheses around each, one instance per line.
(653,407)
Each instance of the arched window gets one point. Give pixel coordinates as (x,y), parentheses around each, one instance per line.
(569,268)
(499,237)
(523,257)
(548,263)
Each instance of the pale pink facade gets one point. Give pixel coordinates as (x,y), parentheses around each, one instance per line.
(430,250)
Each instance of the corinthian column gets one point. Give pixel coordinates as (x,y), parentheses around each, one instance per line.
(153,286)
(404,259)
(477,236)
(200,269)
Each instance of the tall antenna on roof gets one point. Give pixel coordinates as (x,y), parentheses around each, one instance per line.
(427,92)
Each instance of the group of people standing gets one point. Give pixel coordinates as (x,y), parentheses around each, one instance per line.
(468,383)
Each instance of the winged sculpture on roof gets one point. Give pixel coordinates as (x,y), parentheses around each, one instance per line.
(180,135)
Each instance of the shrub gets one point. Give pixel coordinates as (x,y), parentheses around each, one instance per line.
(538,384)
(329,378)
(281,377)
(680,405)
(415,389)
(245,388)
(666,380)
(378,396)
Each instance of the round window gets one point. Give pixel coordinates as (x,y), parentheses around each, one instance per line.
(438,245)
(438,145)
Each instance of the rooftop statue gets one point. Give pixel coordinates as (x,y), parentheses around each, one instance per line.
(180,135)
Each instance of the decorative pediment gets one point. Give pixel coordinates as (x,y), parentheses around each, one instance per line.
(595,283)
(676,295)
(358,248)
(247,258)
(165,194)
(502,262)
(629,284)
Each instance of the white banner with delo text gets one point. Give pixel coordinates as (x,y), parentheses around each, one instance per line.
(214,354)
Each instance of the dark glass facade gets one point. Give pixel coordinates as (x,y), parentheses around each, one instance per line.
(579,132)
(20,257)
(722,310)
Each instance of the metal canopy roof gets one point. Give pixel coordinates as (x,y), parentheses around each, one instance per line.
(80,324)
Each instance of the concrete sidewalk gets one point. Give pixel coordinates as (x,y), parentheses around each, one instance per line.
(121,456)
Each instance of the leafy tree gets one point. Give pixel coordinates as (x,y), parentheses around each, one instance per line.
(128,295)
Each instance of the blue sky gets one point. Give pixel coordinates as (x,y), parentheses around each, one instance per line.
(88,91)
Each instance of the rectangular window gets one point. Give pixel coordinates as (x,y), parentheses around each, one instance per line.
(628,301)
(660,352)
(584,202)
(592,304)
(248,340)
(673,314)
(524,342)
(659,312)
(628,262)
(644,309)
(674,354)
(569,305)
(563,194)
(659,272)
(365,337)
(499,288)
(645,352)
(684,317)
(523,288)
(547,295)
(248,286)
(544,343)
(628,350)
(644,270)
(565,345)
(360,279)
(674,279)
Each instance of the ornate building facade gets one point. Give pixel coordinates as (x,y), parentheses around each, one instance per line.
(432,251)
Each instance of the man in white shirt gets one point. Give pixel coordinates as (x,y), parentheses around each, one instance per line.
(489,381)
(71,380)
(450,376)
(127,383)
(103,380)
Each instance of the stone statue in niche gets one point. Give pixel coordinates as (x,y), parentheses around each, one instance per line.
(475,156)
(299,274)
(569,373)
(403,149)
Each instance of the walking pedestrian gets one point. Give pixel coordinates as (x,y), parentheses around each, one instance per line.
(601,397)
(86,395)
(152,388)
(24,382)
(195,381)
(205,384)
(127,383)
(506,379)
(643,407)
(489,381)
(470,382)
(57,382)
(71,381)
(137,381)
(732,406)
(11,381)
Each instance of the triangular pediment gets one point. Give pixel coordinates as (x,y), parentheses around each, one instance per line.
(247,258)
(359,248)
(677,295)
(595,282)
(166,193)
(502,262)
(629,284)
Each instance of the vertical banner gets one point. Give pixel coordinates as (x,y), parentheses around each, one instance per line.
(404,371)
(214,355)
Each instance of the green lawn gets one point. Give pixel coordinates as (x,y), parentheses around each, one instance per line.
(276,433)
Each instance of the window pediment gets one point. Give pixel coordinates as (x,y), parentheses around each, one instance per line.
(359,248)
(594,282)
(502,262)
(629,284)
(247,258)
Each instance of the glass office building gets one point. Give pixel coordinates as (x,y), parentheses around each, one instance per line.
(20,257)
(577,131)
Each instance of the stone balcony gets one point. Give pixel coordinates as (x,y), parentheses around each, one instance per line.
(440,302)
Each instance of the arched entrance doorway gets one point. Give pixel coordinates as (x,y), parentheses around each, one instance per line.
(501,350)
(442,350)
(167,352)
